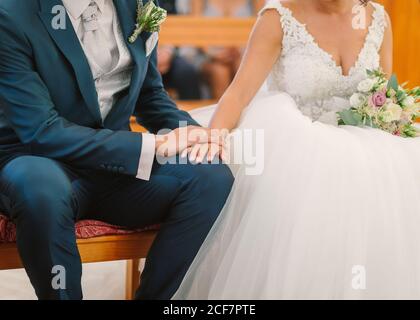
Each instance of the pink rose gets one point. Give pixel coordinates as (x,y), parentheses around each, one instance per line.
(378,99)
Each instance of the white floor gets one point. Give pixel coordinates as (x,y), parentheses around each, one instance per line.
(101,281)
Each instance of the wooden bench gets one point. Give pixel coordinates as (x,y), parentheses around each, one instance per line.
(206,32)
(179,31)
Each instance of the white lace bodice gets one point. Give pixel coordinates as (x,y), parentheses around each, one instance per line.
(310,74)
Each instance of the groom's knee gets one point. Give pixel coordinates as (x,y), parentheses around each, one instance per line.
(37,188)
(215,177)
(212,185)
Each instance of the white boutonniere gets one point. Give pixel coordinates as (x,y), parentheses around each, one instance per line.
(149,18)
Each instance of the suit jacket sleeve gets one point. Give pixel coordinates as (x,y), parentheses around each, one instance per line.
(33,116)
(155,110)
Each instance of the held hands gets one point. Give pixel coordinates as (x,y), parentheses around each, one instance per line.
(208,151)
(196,141)
(202,152)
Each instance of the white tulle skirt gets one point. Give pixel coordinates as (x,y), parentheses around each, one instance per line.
(334,215)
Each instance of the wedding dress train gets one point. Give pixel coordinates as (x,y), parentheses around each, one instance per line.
(336,212)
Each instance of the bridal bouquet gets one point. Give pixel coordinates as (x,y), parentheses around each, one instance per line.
(384,104)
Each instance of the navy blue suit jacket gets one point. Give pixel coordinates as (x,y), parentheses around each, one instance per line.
(48,101)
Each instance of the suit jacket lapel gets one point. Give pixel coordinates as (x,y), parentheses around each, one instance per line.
(127,12)
(68,43)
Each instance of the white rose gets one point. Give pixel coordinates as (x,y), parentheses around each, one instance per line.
(411,109)
(366,85)
(393,112)
(408,101)
(357,99)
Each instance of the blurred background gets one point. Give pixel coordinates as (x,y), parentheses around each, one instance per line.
(199,68)
(192,73)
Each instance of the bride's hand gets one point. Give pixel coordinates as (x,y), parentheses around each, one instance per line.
(217,146)
(200,152)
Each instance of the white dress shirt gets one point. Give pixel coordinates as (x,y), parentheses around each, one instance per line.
(110,82)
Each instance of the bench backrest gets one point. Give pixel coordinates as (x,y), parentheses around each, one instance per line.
(205,32)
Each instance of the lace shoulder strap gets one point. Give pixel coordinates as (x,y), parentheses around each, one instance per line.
(275,4)
(293,31)
(379,24)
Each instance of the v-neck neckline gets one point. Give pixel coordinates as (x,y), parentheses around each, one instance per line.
(328,55)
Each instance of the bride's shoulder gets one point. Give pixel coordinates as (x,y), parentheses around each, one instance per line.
(281,8)
(281,4)
(277,7)
(269,23)
(289,4)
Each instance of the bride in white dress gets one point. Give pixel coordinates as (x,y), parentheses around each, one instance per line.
(336,212)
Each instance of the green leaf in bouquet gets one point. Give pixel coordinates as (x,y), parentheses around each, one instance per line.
(350,118)
(376,73)
(409,131)
(368,121)
(415,92)
(370,73)
(400,95)
(393,83)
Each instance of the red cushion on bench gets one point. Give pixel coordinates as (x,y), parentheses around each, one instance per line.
(85,229)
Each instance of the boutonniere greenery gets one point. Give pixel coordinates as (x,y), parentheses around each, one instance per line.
(149,18)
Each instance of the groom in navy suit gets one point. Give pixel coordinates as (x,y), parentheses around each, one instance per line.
(66,151)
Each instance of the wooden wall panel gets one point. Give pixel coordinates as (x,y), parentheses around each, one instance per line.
(405,16)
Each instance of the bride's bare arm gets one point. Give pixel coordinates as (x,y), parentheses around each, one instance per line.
(263,50)
(387,49)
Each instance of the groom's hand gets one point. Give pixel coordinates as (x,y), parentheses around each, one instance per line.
(172,143)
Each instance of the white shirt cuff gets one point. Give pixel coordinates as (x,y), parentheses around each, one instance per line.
(147,157)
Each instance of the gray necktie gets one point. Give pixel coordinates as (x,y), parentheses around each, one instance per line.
(94,40)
